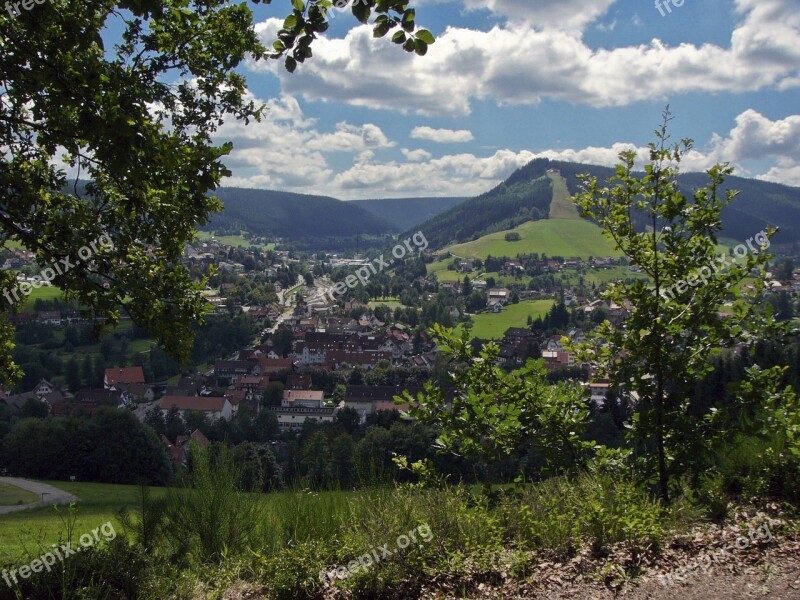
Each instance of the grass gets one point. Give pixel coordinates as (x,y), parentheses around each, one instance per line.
(553,237)
(492,326)
(25,531)
(562,206)
(392,304)
(43,293)
(237,241)
(11,495)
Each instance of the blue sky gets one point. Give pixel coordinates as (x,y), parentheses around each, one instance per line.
(510,80)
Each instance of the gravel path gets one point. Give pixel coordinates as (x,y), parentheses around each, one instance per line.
(52,495)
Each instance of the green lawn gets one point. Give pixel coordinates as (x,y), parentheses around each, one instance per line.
(48,292)
(237,241)
(492,326)
(553,237)
(11,495)
(26,532)
(392,304)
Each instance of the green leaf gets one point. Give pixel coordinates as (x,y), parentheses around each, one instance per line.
(426,36)
(290,22)
(299,5)
(361,11)
(420,47)
(399,37)
(291,64)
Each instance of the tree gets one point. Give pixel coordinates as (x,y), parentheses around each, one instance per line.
(273,394)
(134,116)
(494,413)
(466,286)
(87,370)
(674,321)
(73,374)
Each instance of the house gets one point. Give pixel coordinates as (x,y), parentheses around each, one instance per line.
(43,388)
(138,392)
(179,451)
(122,375)
(501,295)
(113,398)
(494,306)
(50,317)
(230,370)
(17,401)
(368,399)
(366,360)
(296,381)
(213,407)
(555,360)
(297,406)
(598,390)
(236,398)
(252,384)
(554,344)
(307,398)
(275,365)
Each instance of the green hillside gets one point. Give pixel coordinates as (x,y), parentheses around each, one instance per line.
(504,207)
(283,214)
(562,206)
(553,237)
(492,326)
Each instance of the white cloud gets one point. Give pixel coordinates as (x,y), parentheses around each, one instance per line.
(530,58)
(442,136)
(286,151)
(416,155)
(552,14)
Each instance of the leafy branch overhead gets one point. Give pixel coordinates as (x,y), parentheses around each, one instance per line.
(308,19)
(132,109)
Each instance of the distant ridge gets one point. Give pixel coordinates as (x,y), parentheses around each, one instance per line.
(527,195)
(288,215)
(407,213)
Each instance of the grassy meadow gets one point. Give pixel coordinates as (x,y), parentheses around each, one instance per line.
(492,326)
(11,495)
(237,241)
(553,237)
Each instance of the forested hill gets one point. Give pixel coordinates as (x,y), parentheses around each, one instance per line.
(288,215)
(504,207)
(407,213)
(526,195)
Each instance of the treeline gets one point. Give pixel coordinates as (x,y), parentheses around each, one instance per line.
(504,207)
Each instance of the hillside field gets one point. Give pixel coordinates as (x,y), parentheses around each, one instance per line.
(25,532)
(237,241)
(492,326)
(553,237)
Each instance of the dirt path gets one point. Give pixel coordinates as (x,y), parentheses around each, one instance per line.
(51,495)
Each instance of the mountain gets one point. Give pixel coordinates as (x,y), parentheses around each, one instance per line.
(407,213)
(527,195)
(506,206)
(288,215)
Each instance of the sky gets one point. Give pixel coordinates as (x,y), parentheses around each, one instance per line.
(508,81)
